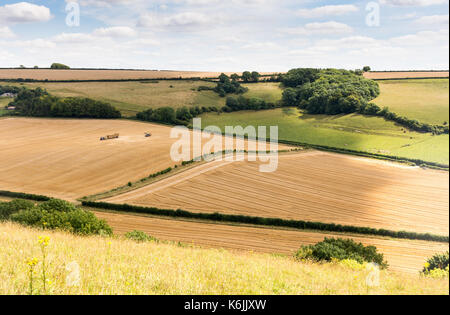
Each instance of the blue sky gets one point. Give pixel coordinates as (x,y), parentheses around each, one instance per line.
(231,35)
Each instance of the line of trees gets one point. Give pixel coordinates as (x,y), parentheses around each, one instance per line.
(242,103)
(39,103)
(297,224)
(171,116)
(9,89)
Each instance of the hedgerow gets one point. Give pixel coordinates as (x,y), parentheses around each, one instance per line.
(39,103)
(23,195)
(296,224)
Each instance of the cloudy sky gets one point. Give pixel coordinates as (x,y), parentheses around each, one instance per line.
(226,35)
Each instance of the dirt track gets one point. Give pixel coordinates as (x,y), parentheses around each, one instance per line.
(402,255)
(406,75)
(313,186)
(64,158)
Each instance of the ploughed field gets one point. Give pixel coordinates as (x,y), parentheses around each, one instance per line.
(65,158)
(402,255)
(310,186)
(405,74)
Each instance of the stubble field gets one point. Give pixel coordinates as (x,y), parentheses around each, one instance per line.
(64,158)
(74,74)
(311,186)
(402,255)
(405,74)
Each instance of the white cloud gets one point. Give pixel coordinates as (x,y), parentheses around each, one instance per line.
(326,28)
(184,19)
(425,38)
(72,38)
(328,10)
(433,20)
(413,3)
(103,3)
(23,12)
(116,31)
(5,32)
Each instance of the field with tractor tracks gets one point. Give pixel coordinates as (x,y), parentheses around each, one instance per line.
(402,255)
(310,186)
(64,158)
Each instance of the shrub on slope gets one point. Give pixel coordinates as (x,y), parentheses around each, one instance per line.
(54,214)
(340,249)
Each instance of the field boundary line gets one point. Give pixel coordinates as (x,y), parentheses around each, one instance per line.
(262,221)
(252,220)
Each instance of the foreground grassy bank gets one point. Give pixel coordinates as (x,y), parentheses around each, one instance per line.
(118,266)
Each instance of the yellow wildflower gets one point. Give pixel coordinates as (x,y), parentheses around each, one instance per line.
(44,240)
(32,262)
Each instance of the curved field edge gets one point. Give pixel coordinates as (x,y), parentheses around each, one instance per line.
(402,255)
(274,222)
(218,217)
(118,266)
(350,134)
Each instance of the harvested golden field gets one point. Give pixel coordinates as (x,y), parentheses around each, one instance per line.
(311,186)
(406,75)
(73,74)
(119,266)
(402,255)
(64,158)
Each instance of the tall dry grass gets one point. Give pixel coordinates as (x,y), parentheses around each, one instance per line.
(96,265)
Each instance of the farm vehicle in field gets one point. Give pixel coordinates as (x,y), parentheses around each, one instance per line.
(109,137)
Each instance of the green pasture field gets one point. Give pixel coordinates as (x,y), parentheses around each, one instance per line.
(133,97)
(426,100)
(355,132)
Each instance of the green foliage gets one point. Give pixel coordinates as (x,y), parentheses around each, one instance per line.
(139,236)
(39,103)
(24,196)
(296,224)
(9,89)
(167,170)
(341,249)
(59,66)
(335,92)
(8,208)
(374,110)
(226,86)
(164,114)
(59,214)
(242,103)
(438,261)
(297,77)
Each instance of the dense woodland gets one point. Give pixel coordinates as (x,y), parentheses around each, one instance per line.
(334,92)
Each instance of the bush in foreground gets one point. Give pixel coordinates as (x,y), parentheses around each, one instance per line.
(437,266)
(139,236)
(9,208)
(331,249)
(57,214)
